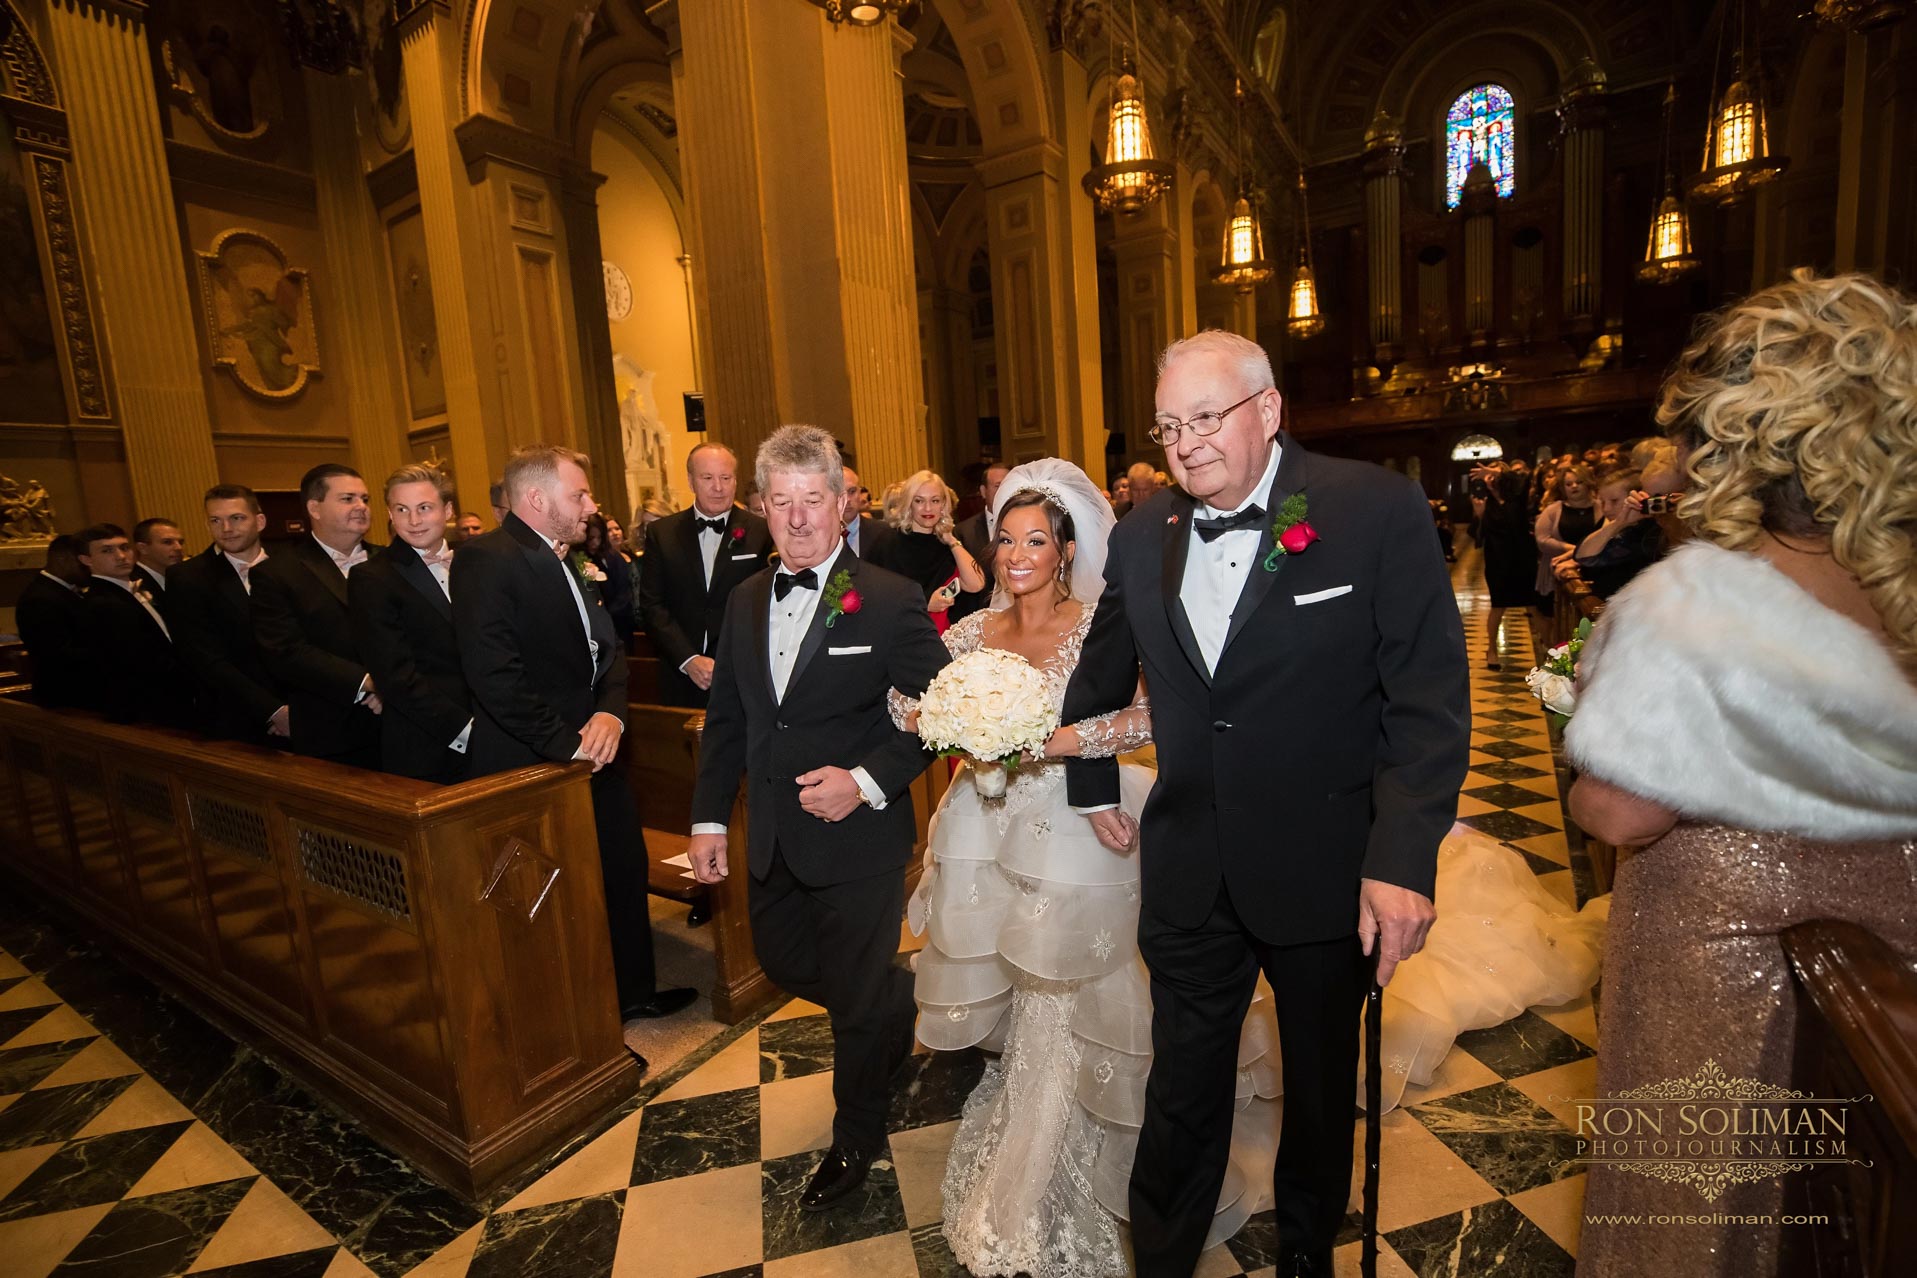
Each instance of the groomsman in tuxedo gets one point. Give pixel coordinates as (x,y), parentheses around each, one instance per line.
(139,677)
(980,540)
(52,620)
(209,607)
(862,532)
(548,681)
(401,601)
(691,563)
(304,628)
(158,547)
(1296,627)
(806,655)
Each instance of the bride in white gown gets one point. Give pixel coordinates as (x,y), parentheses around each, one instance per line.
(1031,946)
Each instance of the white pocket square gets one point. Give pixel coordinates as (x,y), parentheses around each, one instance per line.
(848,652)
(737,558)
(1317,595)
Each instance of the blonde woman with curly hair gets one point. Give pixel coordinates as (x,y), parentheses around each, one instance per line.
(1747,710)
(927,548)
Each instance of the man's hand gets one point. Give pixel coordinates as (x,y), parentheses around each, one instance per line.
(707,852)
(373,703)
(1115,830)
(280,725)
(1394,919)
(599,739)
(699,670)
(829,794)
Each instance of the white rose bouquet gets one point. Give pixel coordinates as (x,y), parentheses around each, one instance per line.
(990,705)
(1555,683)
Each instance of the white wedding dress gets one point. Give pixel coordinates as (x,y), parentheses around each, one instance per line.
(1031,953)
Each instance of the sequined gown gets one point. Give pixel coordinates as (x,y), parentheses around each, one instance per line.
(1032,954)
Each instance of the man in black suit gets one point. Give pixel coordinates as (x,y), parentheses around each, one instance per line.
(209,608)
(304,628)
(799,707)
(980,541)
(692,561)
(138,676)
(401,602)
(548,681)
(1310,710)
(158,547)
(52,619)
(862,532)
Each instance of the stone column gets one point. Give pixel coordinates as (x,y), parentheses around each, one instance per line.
(1478,205)
(1081,429)
(132,240)
(1025,203)
(600,428)
(1384,235)
(1582,112)
(366,342)
(1147,248)
(951,393)
(1876,183)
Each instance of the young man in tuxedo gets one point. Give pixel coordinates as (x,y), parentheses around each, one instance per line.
(401,601)
(158,547)
(304,628)
(209,607)
(980,541)
(138,675)
(548,681)
(1310,711)
(806,656)
(862,532)
(52,619)
(691,563)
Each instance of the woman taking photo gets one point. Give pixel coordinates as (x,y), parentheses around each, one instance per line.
(1565,521)
(927,549)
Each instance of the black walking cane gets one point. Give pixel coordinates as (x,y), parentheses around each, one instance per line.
(1374,1097)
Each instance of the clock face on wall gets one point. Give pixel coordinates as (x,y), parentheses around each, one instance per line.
(618,293)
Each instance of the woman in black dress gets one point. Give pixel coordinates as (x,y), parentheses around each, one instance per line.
(1569,516)
(616,589)
(1510,553)
(927,549)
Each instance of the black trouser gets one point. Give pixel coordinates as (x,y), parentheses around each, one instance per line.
(622,864)
(835,945)
(1202,980)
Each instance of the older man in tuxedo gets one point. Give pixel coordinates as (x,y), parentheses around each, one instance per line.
(863,534)
(980,540)
(209,607)
(806,656)
(138,676)
(1296,627)
(401,601)
(692,561)
(548,681)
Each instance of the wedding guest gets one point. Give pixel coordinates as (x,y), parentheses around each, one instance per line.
(401,602)
(158,547)
(1625,544)
(1121,494)
(1747,714)
(925,548)
(1510,554)
(630,557)
(977,536)
(754,500)
(52,619)
(616,590)
(1567,519)
(862,532)
(301,621)
(140,678)
(466,528)
(209,608)
(496,495)
(1141,481)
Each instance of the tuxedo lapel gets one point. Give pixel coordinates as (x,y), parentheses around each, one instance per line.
(1177,544)
(722,560)
(316,561)
(414,571)
(815,633)
(547,570)
(1289,479)
(760,638)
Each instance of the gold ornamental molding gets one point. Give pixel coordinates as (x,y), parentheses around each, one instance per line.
(259,314)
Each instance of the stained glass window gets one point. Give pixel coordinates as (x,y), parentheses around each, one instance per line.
(1479,127)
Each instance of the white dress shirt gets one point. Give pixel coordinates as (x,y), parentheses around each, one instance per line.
(852,535)
(563,553)
(147,604)
(1215,570)
(347,562)
(791,618)
(710,540)
(245,566)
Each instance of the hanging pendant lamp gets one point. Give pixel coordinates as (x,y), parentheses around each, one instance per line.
(1667,255)
(1737,145)
(1303,316)
(1242,263)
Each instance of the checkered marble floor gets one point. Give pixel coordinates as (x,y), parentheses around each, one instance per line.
(136,1142)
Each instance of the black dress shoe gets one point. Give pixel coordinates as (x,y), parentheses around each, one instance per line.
(840,1172)
(663,1003)
(701,911)
(1304,1264)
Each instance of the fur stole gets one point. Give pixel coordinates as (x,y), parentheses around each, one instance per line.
(1719,688)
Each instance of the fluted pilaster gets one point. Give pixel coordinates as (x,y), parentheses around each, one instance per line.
(1147,250)
(1081,432)
(126,206)
(1583,115)
(1384,230)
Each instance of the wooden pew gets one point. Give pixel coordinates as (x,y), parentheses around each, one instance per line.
(432,960)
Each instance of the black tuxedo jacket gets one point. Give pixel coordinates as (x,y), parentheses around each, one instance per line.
(533,680)
(306,635)
(676,607)
(1330,742)
(872,532)
(53,623)
(141,679)
(834,714)
(212,622)
(403,626)
(147,577)
(979,541)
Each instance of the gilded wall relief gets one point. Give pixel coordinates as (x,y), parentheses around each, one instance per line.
(218,64)
(259,314)
(26,511)
(29,354)
(418,328)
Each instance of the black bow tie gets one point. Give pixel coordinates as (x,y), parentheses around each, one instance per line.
(786,582)
(1212,529)
(717,523)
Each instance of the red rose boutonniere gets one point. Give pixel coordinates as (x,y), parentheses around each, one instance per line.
(1291,530)
(738,534)
(841,598)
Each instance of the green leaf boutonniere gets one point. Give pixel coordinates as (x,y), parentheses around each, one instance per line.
(590,573)
(840,597)
(1290,530)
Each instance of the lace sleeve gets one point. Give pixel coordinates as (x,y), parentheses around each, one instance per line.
(1117,732)
(960,638)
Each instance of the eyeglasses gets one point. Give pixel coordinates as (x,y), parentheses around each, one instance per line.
(1166,430)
